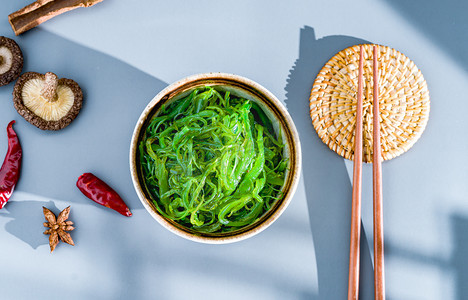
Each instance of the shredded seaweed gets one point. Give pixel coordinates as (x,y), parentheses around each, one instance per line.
(212,162)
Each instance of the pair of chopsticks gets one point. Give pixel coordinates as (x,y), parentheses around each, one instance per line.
(379,279)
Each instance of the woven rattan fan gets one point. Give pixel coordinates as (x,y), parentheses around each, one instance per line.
(404,102)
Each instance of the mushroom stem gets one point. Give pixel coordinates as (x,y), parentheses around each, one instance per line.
(49,91)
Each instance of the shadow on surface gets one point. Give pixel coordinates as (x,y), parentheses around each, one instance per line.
(442,21)
(27,219)
(327,184)
(456,265)
(459,259)
(98,140)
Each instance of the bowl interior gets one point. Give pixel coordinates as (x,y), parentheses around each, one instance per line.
(281,122)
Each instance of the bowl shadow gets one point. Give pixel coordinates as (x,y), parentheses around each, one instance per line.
(327,185)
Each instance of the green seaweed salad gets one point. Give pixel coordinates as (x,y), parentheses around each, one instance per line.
(212,162)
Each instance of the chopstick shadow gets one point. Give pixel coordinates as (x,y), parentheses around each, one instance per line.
(328,188)
(98,140)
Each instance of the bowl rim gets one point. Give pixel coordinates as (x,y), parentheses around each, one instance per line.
(295,150)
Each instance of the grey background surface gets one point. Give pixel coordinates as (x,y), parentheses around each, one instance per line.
(122,53)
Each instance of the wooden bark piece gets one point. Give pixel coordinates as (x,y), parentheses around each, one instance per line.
(42,10)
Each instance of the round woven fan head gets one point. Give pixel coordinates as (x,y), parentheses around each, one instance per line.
(403,102)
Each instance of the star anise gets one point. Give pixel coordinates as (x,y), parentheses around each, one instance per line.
(58,227)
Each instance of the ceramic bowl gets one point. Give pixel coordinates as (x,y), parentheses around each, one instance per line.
(241,87)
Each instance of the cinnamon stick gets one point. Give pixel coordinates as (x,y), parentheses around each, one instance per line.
(42,10)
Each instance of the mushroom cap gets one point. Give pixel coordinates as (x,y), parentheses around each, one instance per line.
(37,120)
(10,53)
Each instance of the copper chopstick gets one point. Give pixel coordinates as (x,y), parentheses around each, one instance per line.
(379,276)
(355,236)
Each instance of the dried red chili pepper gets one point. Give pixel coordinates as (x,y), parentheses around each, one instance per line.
(98,191)
(10,171)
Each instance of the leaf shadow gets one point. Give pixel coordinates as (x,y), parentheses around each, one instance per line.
(27,221)
(441,21)
(98,140)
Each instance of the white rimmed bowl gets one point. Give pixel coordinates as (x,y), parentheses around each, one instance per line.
(241,87)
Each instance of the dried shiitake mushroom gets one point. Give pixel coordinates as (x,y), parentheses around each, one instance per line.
(11,60)
(47,102)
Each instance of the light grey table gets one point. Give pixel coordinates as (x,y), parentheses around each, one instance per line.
(122,53)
